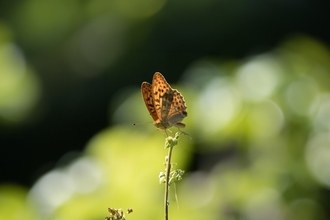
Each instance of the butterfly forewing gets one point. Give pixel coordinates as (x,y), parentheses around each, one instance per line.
(148,99)
(159,88)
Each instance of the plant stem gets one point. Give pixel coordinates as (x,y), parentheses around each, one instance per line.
(167,184)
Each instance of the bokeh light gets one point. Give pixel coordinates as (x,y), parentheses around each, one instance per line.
(19,86)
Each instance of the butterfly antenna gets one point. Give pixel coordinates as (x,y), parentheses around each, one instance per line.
(141,123)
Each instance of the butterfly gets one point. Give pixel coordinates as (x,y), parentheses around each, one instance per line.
(166,106)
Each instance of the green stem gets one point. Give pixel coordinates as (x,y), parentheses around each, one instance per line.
(168,170)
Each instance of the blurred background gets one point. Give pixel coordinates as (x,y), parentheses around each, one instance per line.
(256,79)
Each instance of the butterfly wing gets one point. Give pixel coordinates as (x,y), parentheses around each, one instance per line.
(166,104)
(146,90)
(178,109)
(169,103)
(159,89)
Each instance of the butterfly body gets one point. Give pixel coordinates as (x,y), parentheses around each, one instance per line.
(166,105)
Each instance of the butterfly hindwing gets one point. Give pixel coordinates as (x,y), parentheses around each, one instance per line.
(178,110)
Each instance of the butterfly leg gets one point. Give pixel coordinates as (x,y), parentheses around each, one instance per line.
(183,132)
(163,132)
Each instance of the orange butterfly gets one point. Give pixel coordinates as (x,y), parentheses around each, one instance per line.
(166,105)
